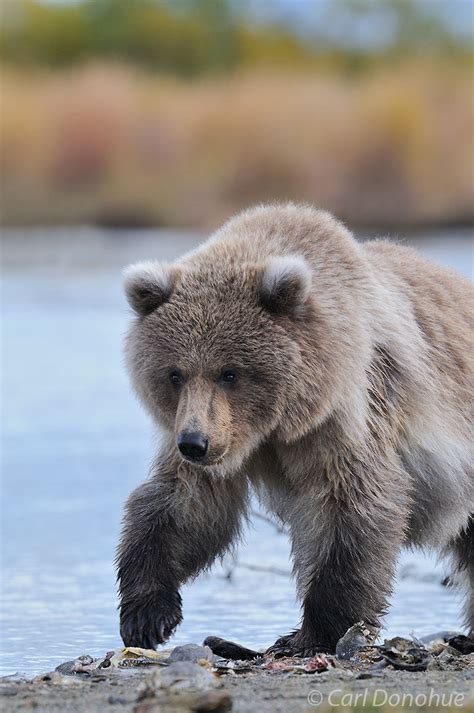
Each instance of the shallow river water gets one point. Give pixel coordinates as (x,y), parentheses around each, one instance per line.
(75,442)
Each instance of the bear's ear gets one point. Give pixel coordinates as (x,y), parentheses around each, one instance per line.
(148,285)
(285,283)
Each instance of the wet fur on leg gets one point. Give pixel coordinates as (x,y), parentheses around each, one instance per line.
(176,524)
(463,551)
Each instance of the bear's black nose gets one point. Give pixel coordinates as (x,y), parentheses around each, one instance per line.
(192,445)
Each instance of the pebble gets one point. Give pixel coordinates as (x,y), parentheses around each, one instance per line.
(448,654)
(116,700)
(148,707)
(442,636)
(16,677)
(178,676)
(8,691)
(50,677)
(191,652)
(66,668)
(212,702)
(353,641)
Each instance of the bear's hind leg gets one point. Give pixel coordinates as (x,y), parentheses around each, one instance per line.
(463,549)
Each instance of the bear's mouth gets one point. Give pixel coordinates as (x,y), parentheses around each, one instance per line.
(208,461)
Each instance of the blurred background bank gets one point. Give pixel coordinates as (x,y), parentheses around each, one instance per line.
(179,112)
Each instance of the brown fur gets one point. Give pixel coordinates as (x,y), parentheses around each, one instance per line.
(350,416)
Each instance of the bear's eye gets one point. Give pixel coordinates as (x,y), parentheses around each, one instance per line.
(229,376)
(176,377)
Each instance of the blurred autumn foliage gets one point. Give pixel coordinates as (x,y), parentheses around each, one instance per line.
(192,37)
(158,113)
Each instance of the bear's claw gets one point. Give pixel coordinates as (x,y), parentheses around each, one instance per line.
(147,623)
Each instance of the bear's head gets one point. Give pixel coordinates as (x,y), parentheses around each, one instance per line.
(215,352)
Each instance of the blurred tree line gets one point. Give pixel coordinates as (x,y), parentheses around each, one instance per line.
(192,37)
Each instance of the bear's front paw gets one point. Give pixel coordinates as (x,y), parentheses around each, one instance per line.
(296,644)
(150,620)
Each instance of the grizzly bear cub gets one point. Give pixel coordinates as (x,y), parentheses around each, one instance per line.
(330,377)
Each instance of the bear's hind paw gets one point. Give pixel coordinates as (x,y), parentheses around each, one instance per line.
(294,645)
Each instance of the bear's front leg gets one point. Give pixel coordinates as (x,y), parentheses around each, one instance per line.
(175,525)
(344,558)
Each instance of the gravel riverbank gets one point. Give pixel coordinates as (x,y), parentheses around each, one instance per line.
(193,678)
(262,693)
